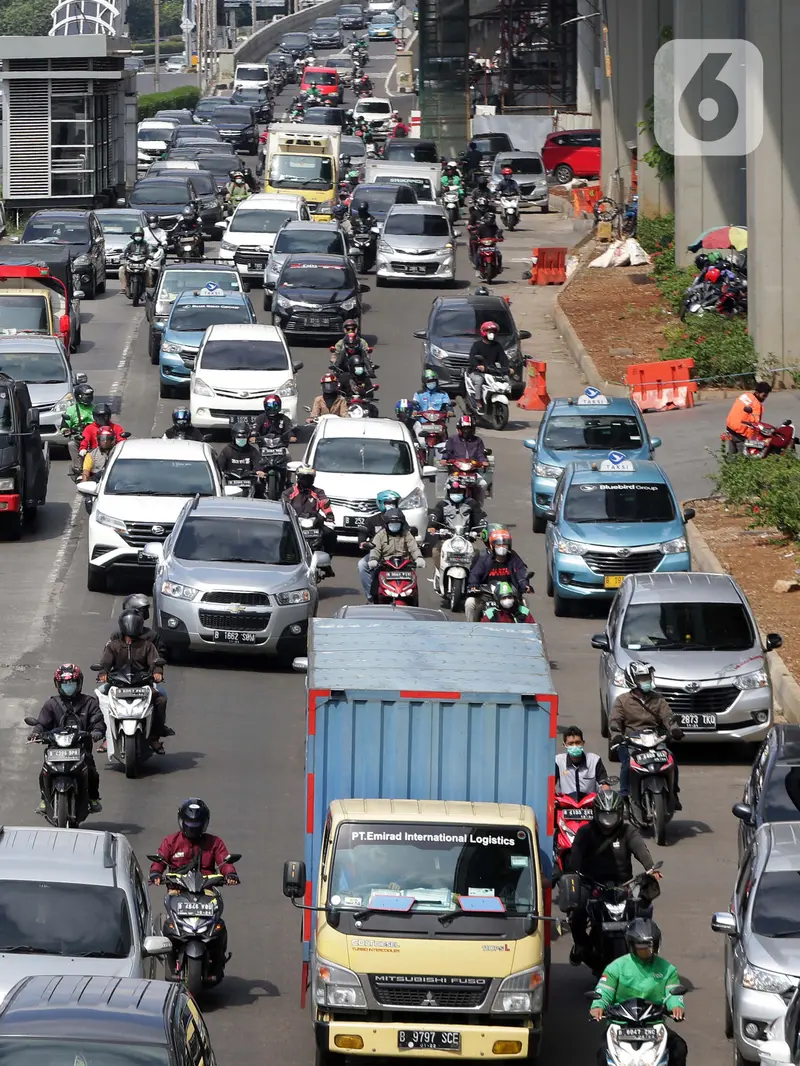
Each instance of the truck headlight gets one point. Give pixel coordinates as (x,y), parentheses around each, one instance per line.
(288,599)
(414,500)
(674,547)
(571,547)
(177,591)
(521,993)
(543,470)
(108,520)
(758,679)
(6,484)
(335,986)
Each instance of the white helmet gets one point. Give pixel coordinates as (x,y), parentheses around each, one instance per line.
(638,671)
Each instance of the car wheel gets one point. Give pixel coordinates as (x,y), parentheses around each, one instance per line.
(549,584)
(153,348)
(101,285)
(563,173)
(539,523)
(91,290)
(604,730)
(166,392)
(267,301)
(728,1022)
(95,579)
(562,608)
(545,209)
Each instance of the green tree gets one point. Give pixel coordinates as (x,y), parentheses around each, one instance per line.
(25,18)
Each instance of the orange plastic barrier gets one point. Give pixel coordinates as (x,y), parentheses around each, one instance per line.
(535,397)
(663,386)
(549,266)
(583,200)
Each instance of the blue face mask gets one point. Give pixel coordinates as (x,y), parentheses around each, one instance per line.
(394,527)
(241,441)
(575,750)
(69,688)
(646,686)
(456,497)
(433,386)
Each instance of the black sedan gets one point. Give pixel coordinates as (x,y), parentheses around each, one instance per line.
(772,791)
(237,126)
(258,100)
(164,197)
(326,33)
(295,45)
(325,116)
(206,107)
(315,294)
(352,17)
(195,133)
(211,205)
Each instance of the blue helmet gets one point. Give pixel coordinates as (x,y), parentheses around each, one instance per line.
(404,408)
(387,499)
(181,417)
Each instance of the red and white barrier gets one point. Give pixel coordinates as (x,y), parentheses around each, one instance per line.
(416,124)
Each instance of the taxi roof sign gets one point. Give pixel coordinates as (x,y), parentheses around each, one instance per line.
(592,398)
(617,462)
(211,289)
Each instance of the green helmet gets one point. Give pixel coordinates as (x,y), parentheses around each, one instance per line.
(505,595)
(430,378)
(489,529)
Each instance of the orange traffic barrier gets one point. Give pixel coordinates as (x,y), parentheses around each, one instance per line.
(535,397)
(548,266)
(663,386)
(583,200)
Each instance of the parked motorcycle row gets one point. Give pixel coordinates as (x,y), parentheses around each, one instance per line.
(720,285)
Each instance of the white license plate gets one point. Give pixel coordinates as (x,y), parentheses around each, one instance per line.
(352,521)
(188,909)
(64,754)
(413,268)
(398,575)
(697,722)
(630,1034)
(229,636)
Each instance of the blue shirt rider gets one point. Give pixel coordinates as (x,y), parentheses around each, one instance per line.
(431,398)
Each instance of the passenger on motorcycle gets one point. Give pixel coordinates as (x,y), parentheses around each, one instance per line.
(102,417)
(71,700)
(273,423)
(430,398)
(75,419)
(394,538)
(237,189)
(579,773)
(386,500)
(601,852)
(451,179)
(641,708)
(330,401)
(498,563)
(309,501)
(465,444)
(241,459)
(455,508)
(132,647)
(507,186)
(642,974)
(506,606)
(137,245)
(182,428)
(487,355)
(96,459)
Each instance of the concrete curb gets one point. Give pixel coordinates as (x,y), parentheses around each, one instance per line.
(785,689)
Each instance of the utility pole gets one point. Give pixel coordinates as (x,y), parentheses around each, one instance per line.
(156,36)
(199,12)
(254,13)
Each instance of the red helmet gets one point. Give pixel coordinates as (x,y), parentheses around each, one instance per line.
(272,404)
(713,274)
(466,422)
(507,172)
(66,675)
(489,327)
(106,436)
(329,383)
(499,538)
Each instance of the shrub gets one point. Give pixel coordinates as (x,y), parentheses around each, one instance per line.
(771,487)
(183,96)
(171,46)
(721,348)
(656,234)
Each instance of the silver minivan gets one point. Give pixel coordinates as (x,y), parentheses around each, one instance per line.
(528,172)
(699,633)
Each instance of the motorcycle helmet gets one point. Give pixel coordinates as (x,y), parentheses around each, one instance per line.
(272,405)
(607,811)
(394,520)
(363,209)
(193,818)
(138,234)
(506,172)
(345,161)
(330,384)
(84,394)
(456,490)
(488,530)
(466,427)
(106,438)
(387,498)
(359,368)
(701,261)
(231,174)
(305,476)
(131,624)
(499,543)
(181,418)
(240,434)
(638,675)
(403,409)
(504,596)
(102,415)
(643,938)
(489,330)
(430,380)
(138,602)
(339,212)
(68,680)
(713,274)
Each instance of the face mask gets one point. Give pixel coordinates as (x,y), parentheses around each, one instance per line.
(646,686)
(359,370)
(456,497)
(575,750)
(432,386)
(501,551)
(507,603)
(69,688)
(241,441)
(490,336)
(394,527)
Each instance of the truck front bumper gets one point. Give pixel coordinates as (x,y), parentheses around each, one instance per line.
(478,1041)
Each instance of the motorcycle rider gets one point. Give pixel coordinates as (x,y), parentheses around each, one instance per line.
(240,458)
(642,974)
(102,417)
(507,186)
(76,418)
(250,180)
(96,459)
(506,606)
(394,538)
(456,507)
(466,444)
(351,346)
(131,646)
(601,852)
(481,207)
(487,355)
(71,700)
(579,773)
(313,95)
(136,246)
(451,179)
(182,428)
(429,398)
(488,229)
(363,85)
(273,423)
(236,190)
(472,161)
(640,708)
(498,563)
(399,128)
(386,500)
(364,223)
(747,408)
(309,501)
(330,401)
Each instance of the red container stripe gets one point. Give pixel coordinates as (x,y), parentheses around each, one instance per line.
(551,804)
(307,915)
(313,695)
(552,702)
(430,695)
(310,802)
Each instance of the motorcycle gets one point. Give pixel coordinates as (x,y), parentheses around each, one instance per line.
(488,258)
(275,456)
(365,243)
(492,405)
(186,244)
(474,476)
(432,430)
(450,578)
(135,276)
(362,401)
(652,794)
(637,1035)
(126,701)
(770,440)
(509,208)
(193,924)
(251,486)
(484,594)
(451,202)
(65,786)
(397,580)
(571,815)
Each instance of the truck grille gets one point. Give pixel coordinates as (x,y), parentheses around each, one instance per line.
(711,700)
(141,533)
(250,599)
(243,622)
(611,563)
(444,993)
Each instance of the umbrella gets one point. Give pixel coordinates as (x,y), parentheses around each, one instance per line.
(721,237)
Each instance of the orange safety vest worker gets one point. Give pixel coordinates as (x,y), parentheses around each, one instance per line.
(746,408)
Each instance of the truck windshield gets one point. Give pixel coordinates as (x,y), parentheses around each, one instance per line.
(301,172)
(438,867)
(19,313)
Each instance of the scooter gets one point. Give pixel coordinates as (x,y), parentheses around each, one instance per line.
(365,243)
(126,701)
(509,207)
(571,815)
(450,578)
(275,456)
(477,479)
(652,782)
(451,202)
(637,1035)
(488,259)
(493,406)
(135,271)
(65,785)
(431,428)
(771,440)
(397,581)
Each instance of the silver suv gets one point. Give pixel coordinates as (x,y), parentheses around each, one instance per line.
(236,575)
(699,633)
(300,238)
(73,901)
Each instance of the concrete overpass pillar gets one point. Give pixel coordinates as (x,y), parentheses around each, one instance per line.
(709,190)
(619,105)
(656,197)
(588,44)
(773,188)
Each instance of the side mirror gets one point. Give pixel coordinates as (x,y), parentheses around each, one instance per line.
(688,514)
(744,812)
(30,721)
(81,379)
(294,879)
(156,945)
(725,922)
(550,514)
(655,442)
(774,641)
(363,288)
(126,435)
(233,490)
(297,366)
(235,856)
(456,232)
(524,334)
(87,488)
(121,201)
(319,560)
(531,443)
(429,471)
(154,550)
(421,334)
(78,294)
(600,642)
(222,224)
(33,418)
(15,240)
(300,664)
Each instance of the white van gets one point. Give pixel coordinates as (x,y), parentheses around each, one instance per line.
(251,76)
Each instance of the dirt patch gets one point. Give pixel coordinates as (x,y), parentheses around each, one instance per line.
(757,558)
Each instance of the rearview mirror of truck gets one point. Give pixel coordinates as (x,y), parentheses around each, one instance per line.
(33,418)
(294,879)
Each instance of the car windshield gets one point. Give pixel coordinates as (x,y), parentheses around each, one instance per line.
(417,225)
(161,192)
(410,153)
(437,868)
(239,540)
(252,73)
(208,105)
(196,133)
(19,313)
(526,164)
(315,241)
(195,318)
(295,40)
(159,477)
(466,321)
(776,906)
(378,200)
(57,233)
(626,502)
(301,171)
(234,114)
(119,224)
(32,919)
(321,77)
(204,184)
(373,107)
(59,1051)
(315,276)
(780,798)
(153,134)
(175,282)
(363,455)
(687,626)
(35,368)
(219,165)
(244,355)
(259,220)
(573,433)
(493,143)
(355,147)
(323,116)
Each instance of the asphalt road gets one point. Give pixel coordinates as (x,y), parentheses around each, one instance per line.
(240,723)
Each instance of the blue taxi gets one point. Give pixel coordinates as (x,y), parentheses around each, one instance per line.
(584,428)
(608,519)
(191,315)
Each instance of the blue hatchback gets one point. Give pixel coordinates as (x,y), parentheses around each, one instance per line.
(609,519)
(586,428)
(191,315)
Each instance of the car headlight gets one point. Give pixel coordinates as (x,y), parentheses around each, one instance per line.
(281,301)
(765,980)
(543,470)
(201,389)
(758,679)
(350,305)
(171,348)
(619,678)
(413,501)
(571,547)
(113,523)
(521,993)
(179,592)
(6,484)
(227,246)
(81,262)
(286,599)
(63,404)
(385,248)
(325,205)
(445,252)
(335,986)
(286,390)
(437,353)
(674,547)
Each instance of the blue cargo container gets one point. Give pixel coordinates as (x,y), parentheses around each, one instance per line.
(426,711)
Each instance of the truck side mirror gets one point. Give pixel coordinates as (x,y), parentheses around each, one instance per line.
(294,879)
(33,418)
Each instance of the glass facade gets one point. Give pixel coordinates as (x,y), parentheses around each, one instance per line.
(80,149)
(444,73)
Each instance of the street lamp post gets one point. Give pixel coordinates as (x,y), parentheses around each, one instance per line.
(156,36)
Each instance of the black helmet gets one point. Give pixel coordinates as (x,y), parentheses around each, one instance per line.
(641,933)
(102,414)
(181,418)
(84,394)
(394,517)
(193,818)
(608,811)
(239,430)
(131,624)
(138,234)
(363,208)
(139,603)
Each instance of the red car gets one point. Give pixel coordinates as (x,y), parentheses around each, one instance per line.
(326,80)
(572,154)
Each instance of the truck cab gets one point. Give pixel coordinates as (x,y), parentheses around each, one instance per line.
(32,301)
(304,159)
(24,460)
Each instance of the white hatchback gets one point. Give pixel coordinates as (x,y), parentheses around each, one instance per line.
(355,459)
(236,367)
(248,235)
